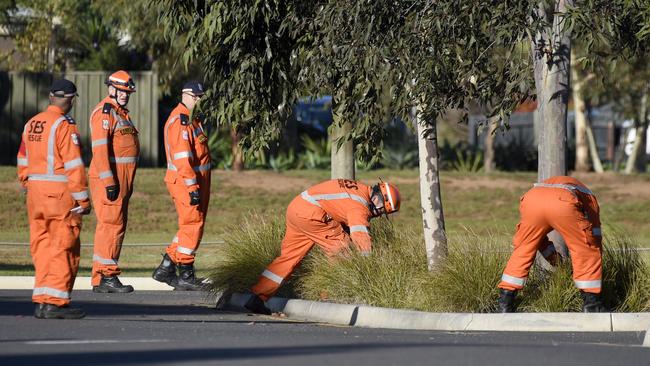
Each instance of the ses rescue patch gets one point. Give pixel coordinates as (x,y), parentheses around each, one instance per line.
(186,135)
(106,124)
(75,138)
(127,131)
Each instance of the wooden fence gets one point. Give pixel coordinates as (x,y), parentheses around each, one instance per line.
(22,95)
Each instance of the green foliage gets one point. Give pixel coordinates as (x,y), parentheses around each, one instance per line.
(400,157)
(283,161)
(220,148)
(468,162)
(249,248)
(318,153)
(247,50)
(467,280)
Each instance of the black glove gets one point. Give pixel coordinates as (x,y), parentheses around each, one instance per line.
(194,198)
(112,192)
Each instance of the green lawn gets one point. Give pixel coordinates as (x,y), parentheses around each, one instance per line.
(483,204)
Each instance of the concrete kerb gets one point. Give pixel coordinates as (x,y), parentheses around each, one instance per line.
(375,317)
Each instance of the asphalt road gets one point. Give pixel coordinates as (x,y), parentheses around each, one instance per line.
(183,328)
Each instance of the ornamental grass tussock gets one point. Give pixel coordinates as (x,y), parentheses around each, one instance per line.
(396,275)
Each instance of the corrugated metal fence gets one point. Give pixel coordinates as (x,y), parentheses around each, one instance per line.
(22,95)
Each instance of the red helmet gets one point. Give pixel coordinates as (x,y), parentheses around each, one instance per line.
(121,80)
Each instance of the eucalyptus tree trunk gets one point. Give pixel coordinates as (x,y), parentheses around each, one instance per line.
(580,107)
(489,165)
(593,148)
(586,148)
(433,221)
(636,162)
(551,51)
(342,165)
(236,150)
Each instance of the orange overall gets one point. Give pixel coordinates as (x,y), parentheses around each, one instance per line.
(317,216)
(50,168)
(188,169)
(115,149)
(566,205)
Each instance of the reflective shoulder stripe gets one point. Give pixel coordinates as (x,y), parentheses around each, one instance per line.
(51,292)
(182,154)
(184,250)
(80,196)
(513,280)
(309,198)
(569,187)
(101,260)
(588,284)
(359,199)
(190,181)
(272,276)
(98,142)
(332,196)
(358,229)
(48,177)
(72,163)
(22,162)
(50,144)
(596,231)
(165,137)
(105,174)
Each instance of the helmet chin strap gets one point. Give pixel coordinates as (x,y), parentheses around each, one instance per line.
(114,96)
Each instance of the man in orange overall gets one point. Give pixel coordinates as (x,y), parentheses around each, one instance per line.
(188,182)
(566,205)
(115,149)
(50,169)
(323,215)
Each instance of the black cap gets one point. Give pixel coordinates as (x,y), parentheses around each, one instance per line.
(194,87)
(63,88)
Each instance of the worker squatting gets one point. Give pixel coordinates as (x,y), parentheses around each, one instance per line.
(333,215)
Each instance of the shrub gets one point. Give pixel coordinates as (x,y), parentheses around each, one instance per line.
(396,276)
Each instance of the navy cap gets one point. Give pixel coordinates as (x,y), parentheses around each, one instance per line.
(194,87)
(63,88)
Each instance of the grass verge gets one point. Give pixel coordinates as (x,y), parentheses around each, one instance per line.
(395,275)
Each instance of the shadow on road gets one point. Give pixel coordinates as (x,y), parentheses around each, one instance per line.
(158,357)
(22,306)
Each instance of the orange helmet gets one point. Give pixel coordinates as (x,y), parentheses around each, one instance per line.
(121,80)
(390,197)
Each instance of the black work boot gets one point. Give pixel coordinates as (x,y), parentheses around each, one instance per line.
(166,271)
(256,305)
(50,311)
(507,301)
(592,303)
(187,280)
(112,284)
